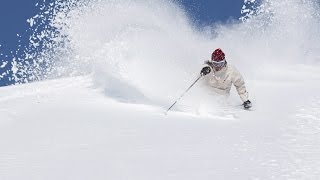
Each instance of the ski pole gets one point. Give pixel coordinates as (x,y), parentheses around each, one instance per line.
(183,94)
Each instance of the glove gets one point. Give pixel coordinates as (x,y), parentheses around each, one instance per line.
(206,70)
(247,104)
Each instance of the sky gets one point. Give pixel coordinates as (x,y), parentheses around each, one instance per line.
(14,15)
(210,11)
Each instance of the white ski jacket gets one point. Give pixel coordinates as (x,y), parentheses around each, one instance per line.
(221,81)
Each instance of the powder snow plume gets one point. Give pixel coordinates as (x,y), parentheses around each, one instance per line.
(138,50)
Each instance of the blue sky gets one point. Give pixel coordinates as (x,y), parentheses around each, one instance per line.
(210,11)
(13,16)
(14,13)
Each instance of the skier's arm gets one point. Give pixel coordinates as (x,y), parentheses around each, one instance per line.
(240,86)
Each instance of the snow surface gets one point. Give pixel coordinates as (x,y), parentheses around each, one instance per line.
(114,68)
(68,129)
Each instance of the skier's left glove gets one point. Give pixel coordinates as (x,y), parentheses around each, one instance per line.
(247,104)
(204,71)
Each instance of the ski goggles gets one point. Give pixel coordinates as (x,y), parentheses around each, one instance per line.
(218,64)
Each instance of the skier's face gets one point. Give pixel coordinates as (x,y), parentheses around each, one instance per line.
(218,65)
(218,68)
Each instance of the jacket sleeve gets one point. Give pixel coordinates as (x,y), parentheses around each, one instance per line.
(240,85)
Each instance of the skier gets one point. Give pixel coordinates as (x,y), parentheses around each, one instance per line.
(221,76)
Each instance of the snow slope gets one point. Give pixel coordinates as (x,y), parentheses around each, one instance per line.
(68,129)
(110,69)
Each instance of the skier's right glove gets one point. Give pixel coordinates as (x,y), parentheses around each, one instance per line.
(247,104)
(206,70)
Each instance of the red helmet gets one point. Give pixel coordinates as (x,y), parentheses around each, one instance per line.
(218,55)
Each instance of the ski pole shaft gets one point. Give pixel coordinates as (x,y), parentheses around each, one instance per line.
(183,93)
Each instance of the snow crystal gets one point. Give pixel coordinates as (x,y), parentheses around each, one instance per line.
(31,22)
(4,64)
(14,66)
